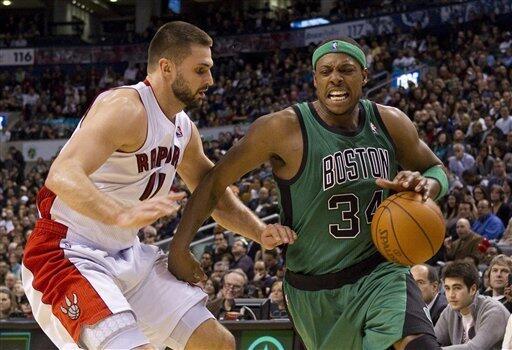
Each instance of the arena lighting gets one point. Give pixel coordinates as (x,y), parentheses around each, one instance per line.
(309,22)
(7,2)
(113,0)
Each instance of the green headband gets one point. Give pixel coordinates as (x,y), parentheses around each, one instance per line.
(341,47)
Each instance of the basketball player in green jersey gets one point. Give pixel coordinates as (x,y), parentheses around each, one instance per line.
(335,160)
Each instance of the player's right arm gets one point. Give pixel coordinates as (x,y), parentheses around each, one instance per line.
(117,122)
(263,142)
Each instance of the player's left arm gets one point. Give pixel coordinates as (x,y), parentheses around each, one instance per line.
(413,155)
(230,212)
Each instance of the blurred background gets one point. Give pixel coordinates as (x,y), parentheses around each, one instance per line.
(447,65)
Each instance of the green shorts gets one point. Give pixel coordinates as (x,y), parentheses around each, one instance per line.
(372,313)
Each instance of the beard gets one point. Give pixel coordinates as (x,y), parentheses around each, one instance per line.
(184,93)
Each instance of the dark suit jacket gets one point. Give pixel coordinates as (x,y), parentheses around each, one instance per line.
(438,307)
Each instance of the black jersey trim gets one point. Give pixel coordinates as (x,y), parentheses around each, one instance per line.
(336,130)
(286,203)
(334,280)
(305,148)
(382,126)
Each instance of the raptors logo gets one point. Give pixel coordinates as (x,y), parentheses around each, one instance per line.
(73,311)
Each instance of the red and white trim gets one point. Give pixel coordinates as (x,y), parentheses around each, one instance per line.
(52,282)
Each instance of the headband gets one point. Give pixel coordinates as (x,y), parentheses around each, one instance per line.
(339,47)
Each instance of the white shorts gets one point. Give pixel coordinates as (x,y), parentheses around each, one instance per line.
(71,286)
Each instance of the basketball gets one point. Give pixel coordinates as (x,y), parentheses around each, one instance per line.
(406,229)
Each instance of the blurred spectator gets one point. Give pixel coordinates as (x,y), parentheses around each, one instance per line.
(461,161)
(465,210)
(272,261)
(207,263)
(427,279)
(220,244)
(278,305)
(262,281)
(219,270)
(4,268)
(240,258)
(487,224)
(8,306)
(10,280)
(507,235)
(499,208)
(504,123)
(233,284)
(465,245)
(211,288)
(26,308)
(500,270)
(499,174)
(469,318)
(149,234)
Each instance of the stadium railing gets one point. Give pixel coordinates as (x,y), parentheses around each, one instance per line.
(198,246)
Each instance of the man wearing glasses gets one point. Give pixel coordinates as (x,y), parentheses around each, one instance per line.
(233,286)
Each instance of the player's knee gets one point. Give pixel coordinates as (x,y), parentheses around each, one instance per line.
(225,340)
(211,335)
(118,331)
(420,342)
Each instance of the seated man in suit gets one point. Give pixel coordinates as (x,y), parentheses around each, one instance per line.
(234,284)
(467,243)
(427,279)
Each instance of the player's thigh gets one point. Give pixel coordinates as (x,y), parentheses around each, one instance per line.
(161,301)
(325,319)
(67,292)
(211,335)
(396,312)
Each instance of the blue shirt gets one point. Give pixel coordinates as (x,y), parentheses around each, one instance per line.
(489,226)
(459,166)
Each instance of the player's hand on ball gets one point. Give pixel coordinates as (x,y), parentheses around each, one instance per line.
(275,235)
(184,266)
(148,211)
(408,181)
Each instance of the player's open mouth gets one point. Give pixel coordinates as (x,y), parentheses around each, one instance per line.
(202,94)
(338,95)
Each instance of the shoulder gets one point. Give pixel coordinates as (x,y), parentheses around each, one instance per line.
(399,126)
(392,115)
(487,305)
(275,126)
(121,106)
(281,119)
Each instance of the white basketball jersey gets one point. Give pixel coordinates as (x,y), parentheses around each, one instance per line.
(131,177)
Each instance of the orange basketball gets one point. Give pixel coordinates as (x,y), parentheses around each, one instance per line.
(408,230)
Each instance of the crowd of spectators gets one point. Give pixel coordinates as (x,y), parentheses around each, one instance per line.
(17,30)
(27,28)
(461,108)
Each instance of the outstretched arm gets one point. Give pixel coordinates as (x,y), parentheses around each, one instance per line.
(254,149)
(230,212)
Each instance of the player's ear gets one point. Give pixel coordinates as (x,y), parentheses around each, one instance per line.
(167,68)
(365,76)
(314,79)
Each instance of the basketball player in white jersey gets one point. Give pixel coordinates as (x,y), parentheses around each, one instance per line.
(90,282)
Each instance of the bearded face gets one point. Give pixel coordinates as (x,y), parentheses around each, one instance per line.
(183,92)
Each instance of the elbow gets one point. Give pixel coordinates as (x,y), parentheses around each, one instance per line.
(55,179)
(51,181)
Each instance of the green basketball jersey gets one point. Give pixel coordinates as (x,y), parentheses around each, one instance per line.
(331,200)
